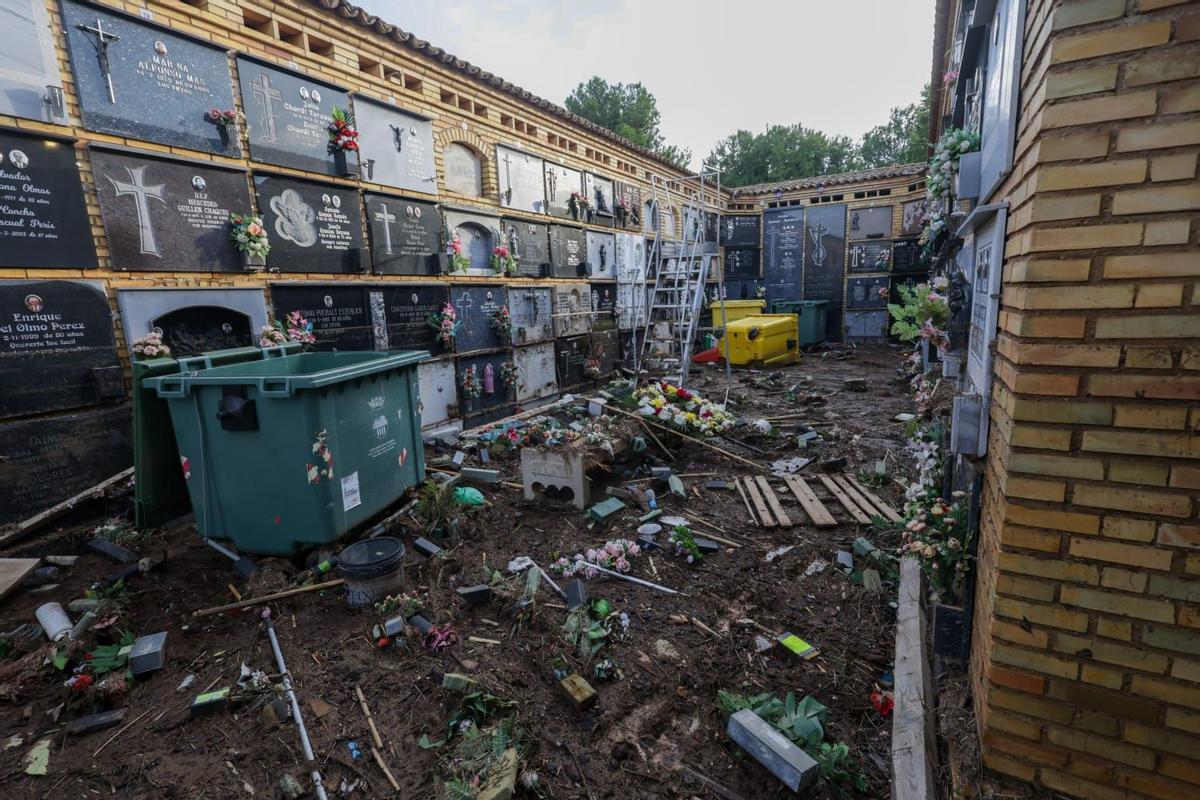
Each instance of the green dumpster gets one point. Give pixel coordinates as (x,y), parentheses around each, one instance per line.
(811,314)
(295,451)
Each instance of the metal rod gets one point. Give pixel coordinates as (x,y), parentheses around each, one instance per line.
(629,578)
(318,787)
(546,577)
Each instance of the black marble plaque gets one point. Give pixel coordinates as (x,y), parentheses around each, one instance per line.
(154,84)
(824,270)
(869,256)
(529,243)
(495,400)
(522,184)
(627,205)
(43,218)
(865,324)
(169,215)
(867,292)
(57,349)
(408,308)
(741,263)
(870,223)
(741,230)
(783,252)
(568,251)
(30,84)
(561,183)
(606,348)
(341,315)
(906,256)
(599,192)
(569,357)
(476,305)
(196,329)
(740,289)
(46,460)
(604,306)
(395,147)
(406,236)
(314,227)
(288,116)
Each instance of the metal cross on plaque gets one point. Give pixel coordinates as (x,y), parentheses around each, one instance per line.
(103,39)
(387,218)
(136,188)
(552,180)
(267,96)
(397,137)
(508,174)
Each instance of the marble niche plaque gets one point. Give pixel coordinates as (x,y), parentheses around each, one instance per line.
(572,307)
(599,192)
(535,372)
(783,253)
(868,292)
(406,236)
(476,305)
(57,349)
(870,223)
(529,243)
(314,227)
(495,400)
(341,316)
(561,183)
(437,386)
(288,115)
(627,205)
(395,147)
(478,234)
(740,230)
(600,255)
(530,309)
(521,180)
(629,257)
(408,308)
(43,218)
(912,218)
(825,262)
(906,255)
(569,357)
(869,256)
(30,84)
(169,215)
(741,263)
(604,306)
(146,82)
(568,252)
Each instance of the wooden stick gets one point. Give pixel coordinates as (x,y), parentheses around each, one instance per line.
(266,598)
(118,733)
(386,772)
(700,442)
(657,440)
(738,483)
(362,702)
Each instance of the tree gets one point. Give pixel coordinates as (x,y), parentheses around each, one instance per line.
(628,110)
(781,152)
(903,139)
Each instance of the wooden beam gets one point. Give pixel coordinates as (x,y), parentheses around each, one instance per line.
(846,502)
(267,598)
(889,513)
(765,519)
(914,744)
(863,503)
(42,517)
(811,504)
(773,502)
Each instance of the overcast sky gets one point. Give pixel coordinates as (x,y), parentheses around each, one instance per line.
(714,65)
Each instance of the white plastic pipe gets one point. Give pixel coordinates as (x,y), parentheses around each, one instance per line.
(318,787)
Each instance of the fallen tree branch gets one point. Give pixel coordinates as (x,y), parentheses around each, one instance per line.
(266,598)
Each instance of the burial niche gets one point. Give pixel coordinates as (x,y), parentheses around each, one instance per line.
(464,170)
(192,330)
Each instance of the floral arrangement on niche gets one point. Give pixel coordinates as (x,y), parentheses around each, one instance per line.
(502,324)
(577,204)
(292,328)
(614,555)
(471,384)
(953,144)
(446,323)
(459,261)
(509,376)
(923,313)
(682,409)
(503,262)
(226,118)
(591,366)
(151,346)
(248,235)
(342,135)
(760,292)
(935,531)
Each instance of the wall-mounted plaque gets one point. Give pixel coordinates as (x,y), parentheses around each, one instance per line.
(521,180)
(868,292)
(535,371)
(57,349)
(406,235)
(147,82)
(169,215)
(314,227)
(906,256)
(568,251)
(569,357)
(824,270)
(340,315)
(530,308)
(604,306)
(409,307)
(529,243)
(600,248)
(572,304)
(43,218)
(783,252)
(865,324)
(741,262)
(912,218)
(627,205)
(495,400)
(870,223)
(869,256)
(30,85)
(478,234)
(476,306)
(561,183)
(599,192)
(605,347)
(395,147)
(288,115)
(629,257)
(741,230)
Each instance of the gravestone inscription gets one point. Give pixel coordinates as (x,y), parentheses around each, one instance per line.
(314,227)
(605,348)
(57,349)
(561,182)
(869,257)
(43,218)
(140,80)
(529,243)
(604,306)
(824,270)
(30,85)
(870,223)
(340,315)
(783,252)
(569,357)
(288,115)
(395,147)
(409,307)
(476,306)
(906,256)
(169,215)
(629,257)
(406,235)
(627,205)
(867,292)
(741,230)
(568,251)
(522,184)
(741,263)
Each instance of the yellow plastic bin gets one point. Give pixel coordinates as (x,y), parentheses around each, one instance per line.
(766,339)
(736,309)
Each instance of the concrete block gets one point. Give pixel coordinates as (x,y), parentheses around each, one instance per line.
(787,762)
(605,511)
(706,545)
(210,702)
(481,475)
(422,625)
(148,654)
(562,470)
(425,547)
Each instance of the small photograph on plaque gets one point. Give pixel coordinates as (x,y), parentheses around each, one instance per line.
(406,235)
(314,227)
(43,217)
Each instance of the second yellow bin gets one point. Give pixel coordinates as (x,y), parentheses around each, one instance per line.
(766,339)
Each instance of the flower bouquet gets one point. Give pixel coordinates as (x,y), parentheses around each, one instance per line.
(446,323)
(250,238)
(292,328)
(502,262)
(509,376)
(471,385)
(578,205)
(343,139)
(502,324)
(682,409)
(614,555)
(150,346)
(459,261)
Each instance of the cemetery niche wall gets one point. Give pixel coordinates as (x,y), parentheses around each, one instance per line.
(406,236)
(30,84)
(395,147)
(529,243)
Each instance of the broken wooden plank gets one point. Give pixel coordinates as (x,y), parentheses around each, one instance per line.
(845,500)
(811,504)
(42,517)
(765,519)
(914,744)
(749,510)
(773,502)
(863,503)
(889,513)
(13,571)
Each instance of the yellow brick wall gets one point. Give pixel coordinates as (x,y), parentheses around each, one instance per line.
(1086,656)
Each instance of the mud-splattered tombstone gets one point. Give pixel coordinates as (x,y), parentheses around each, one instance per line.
(558,473)
(535,372)
(605,349)
(439,398)
(572,309)
(531,310)
(476,306)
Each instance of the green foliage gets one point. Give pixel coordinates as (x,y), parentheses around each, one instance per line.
(437,509)
(584,633)
(628,110)
(903,139)
(476,708)
(685,542)
(781,152)
(920,304)
(837,766)
(476,755)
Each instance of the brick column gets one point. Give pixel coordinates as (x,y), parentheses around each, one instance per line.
(1086,656)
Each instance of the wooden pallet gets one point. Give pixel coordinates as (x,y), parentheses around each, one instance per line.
(811,504)
(763,502)
(843,497)
(889,513)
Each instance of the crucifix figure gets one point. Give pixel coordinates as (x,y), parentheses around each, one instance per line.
(267,96)
(387,218)
(136,188)
(508,174)
(103,40)
(397,137)
(603,258)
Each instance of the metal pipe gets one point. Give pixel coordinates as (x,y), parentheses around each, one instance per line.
(630,578)
(318,787)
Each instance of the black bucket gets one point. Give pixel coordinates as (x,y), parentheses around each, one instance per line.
(371,569)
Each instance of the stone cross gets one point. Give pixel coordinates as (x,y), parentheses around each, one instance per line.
(266,95)
(387,218)
(103,39)
(136,188)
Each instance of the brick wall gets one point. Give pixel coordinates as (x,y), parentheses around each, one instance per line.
(1086,658)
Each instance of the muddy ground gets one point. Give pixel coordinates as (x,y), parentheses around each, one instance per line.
(650,735)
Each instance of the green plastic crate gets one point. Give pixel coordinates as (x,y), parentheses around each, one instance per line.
(812,317)
(295,451)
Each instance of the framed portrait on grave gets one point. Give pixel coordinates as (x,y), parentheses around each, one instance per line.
(783,254)
(1001,94)
(599,193)
(43,217)
(395,147)
(627,205)
(870,223)
(288,115)
(522,184)
(340,315)
(529,244)
(147,82)
(912,218)
(406,235)
(825,261)
(740,230)
(30,83)
(314,227)
(561,183)
(169,214)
